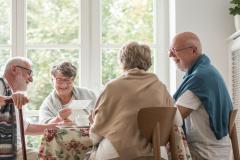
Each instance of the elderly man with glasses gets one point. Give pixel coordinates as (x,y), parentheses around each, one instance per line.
(17,76)
(202,100)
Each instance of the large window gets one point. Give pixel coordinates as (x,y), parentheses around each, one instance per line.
(52,36)
(5,32)
(89,33)
(123,21)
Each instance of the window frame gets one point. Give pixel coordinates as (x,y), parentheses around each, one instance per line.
(90,42)
(91,45)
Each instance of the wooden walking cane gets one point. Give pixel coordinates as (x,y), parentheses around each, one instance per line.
(21,130)
(22,134)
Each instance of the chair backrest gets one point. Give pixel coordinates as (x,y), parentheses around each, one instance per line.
(233,134)
(155,124)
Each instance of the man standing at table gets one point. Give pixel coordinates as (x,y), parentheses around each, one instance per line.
(202,100)
(17,76)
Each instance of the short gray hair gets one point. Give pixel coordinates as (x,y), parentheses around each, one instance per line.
(65,68)
(135,55)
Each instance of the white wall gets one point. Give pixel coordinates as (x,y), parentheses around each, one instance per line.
(211,21)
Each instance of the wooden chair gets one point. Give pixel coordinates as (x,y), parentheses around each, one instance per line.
(233,134)
(155,125)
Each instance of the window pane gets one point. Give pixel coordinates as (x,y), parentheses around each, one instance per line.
(53,21)
(4,56)
(43,60)
(33,142)
(5,19)
(124,20)
(152,68)
(110,67)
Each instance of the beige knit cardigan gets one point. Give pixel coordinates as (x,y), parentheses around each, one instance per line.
(115,113)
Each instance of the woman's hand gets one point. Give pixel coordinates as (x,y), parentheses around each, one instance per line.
(64,113)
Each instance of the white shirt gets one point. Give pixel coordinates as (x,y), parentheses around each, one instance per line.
(105,148)
(19,144)
(199,134)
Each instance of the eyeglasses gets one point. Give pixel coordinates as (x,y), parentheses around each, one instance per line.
(29,71)
(174,50)
(64,80)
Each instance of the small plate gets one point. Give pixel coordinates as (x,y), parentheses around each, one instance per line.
(82,126)
(64,126)
(71,126)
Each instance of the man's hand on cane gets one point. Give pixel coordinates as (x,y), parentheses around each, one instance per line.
(19,99)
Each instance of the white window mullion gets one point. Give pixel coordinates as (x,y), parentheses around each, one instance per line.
(95,74)
(85,43)
(174,76)
(161,30)
(18,28)
(14,28)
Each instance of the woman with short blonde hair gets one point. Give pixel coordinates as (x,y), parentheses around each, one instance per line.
(114,120)
(135,55)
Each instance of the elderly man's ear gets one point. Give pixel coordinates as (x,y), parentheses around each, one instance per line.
(14,70)
(195,49)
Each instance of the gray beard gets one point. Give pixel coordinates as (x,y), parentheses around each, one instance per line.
(21,83)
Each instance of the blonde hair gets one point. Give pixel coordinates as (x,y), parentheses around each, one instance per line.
(135,55)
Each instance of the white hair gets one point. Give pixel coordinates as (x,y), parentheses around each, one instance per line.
(17,61)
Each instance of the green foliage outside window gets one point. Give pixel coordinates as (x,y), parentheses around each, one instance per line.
(4,56)
(124,21)
(5,21)
(235,9)
(53,21)
(110,67)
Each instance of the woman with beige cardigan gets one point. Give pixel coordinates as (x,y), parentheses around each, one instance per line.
(114,119)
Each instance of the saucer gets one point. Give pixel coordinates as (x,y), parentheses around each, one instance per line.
(70,126)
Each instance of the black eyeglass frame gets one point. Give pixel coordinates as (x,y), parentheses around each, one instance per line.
(174,50)
(30,72)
